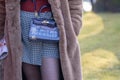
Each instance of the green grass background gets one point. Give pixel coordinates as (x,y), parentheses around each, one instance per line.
(100,46)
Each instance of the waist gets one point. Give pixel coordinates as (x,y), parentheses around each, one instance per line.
(29,5)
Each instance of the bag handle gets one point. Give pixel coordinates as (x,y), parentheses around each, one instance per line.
(41,8)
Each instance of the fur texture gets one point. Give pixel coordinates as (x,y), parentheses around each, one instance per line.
(68,16)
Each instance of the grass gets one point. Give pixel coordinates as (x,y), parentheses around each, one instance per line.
(99,40)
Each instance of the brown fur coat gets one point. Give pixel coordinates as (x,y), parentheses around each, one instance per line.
(68,16)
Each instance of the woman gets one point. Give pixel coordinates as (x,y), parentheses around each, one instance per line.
(68,16)
(38,57)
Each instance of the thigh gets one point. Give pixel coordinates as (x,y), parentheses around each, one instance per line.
(50,69)
(31,72)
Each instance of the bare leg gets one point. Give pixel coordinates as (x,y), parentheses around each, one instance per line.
(31,72)
(50,69)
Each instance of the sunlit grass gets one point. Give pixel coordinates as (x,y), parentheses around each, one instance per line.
(91,27)
(98,60)
(100,47)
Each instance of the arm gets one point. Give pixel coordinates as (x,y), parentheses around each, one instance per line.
(2,18)
(76,14)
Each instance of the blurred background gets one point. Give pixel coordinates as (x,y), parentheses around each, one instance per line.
(100,40)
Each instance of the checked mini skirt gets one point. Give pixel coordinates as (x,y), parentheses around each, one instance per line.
(33,52)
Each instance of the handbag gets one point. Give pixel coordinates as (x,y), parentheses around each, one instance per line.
(3,49)
(43,29)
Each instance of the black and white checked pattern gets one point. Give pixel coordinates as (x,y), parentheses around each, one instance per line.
(34,51)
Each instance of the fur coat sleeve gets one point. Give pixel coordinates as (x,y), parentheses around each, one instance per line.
(2,17)
(76,11)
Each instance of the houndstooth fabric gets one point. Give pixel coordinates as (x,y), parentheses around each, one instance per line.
(34,51)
